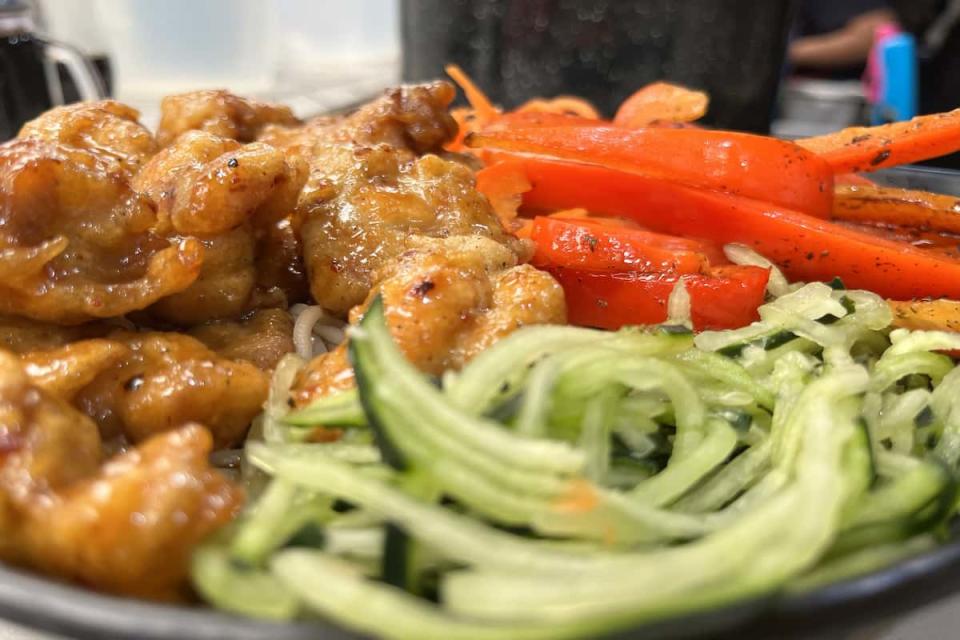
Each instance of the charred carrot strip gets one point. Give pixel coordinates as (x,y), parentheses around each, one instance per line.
(935,315)
(918,210)
(566,105)
(872,148)
(661,102)
(478,99)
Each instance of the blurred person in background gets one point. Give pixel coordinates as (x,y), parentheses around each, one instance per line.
(936,26)
(833,37)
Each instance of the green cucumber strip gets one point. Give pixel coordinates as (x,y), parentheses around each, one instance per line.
(671,483)
(535,407)
(944,404)
(276,407)
(901,496)
(767,545)
(267,525)
(337,410)
(501,369)
(336,589)
(727,373)
(248,592)
(353,542)
(903,341)
(729,481)
(595,433)
(893,367)
(504,366)
(897,422)
(861,562)
(647,374)
(371,346)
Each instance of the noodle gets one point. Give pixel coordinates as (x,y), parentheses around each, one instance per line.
(315,332)
(303,340)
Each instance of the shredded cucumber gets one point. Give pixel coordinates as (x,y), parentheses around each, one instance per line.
(249,592)
(581,481)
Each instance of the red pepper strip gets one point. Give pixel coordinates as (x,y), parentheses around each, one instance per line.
(661,102)
(872,148)
(725,299)
(738,163)
(918,210)
(599,247)
(806,248)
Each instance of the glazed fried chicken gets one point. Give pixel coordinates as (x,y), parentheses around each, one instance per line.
(375,199)
(445,301)
(126,527)
(107,128)
(77,242)
(263,338)
(412,117)
(369,190)
(229,196)
(136,385)
(220,113)
(21,335)
(166,380)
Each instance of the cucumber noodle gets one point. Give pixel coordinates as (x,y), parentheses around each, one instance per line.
(569,482)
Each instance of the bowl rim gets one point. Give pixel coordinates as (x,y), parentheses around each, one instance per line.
(44,604)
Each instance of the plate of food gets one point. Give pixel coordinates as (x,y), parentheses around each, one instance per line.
(430,372)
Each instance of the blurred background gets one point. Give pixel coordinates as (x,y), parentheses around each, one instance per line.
(791,67)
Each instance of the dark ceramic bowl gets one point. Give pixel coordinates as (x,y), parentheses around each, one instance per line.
(831,612)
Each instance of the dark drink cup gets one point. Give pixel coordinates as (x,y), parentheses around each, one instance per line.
(604,50)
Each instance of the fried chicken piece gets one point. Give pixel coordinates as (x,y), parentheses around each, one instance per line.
(218,112)
(279,265)
(414,117)
(228,196)
(168,380)
(263,338)
(368,190)
(107,128)
(76,242)
(21,335)
(362,215)
(126,528)
(131,528)
(63,371)
(45,445)
(445,301)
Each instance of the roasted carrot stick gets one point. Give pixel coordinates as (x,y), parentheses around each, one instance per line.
(661,102)
(872,148)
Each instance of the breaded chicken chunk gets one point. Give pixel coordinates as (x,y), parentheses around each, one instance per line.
(220,113)
(126,527)
(228,196)
(167,380)
(445,302)
(77,242)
